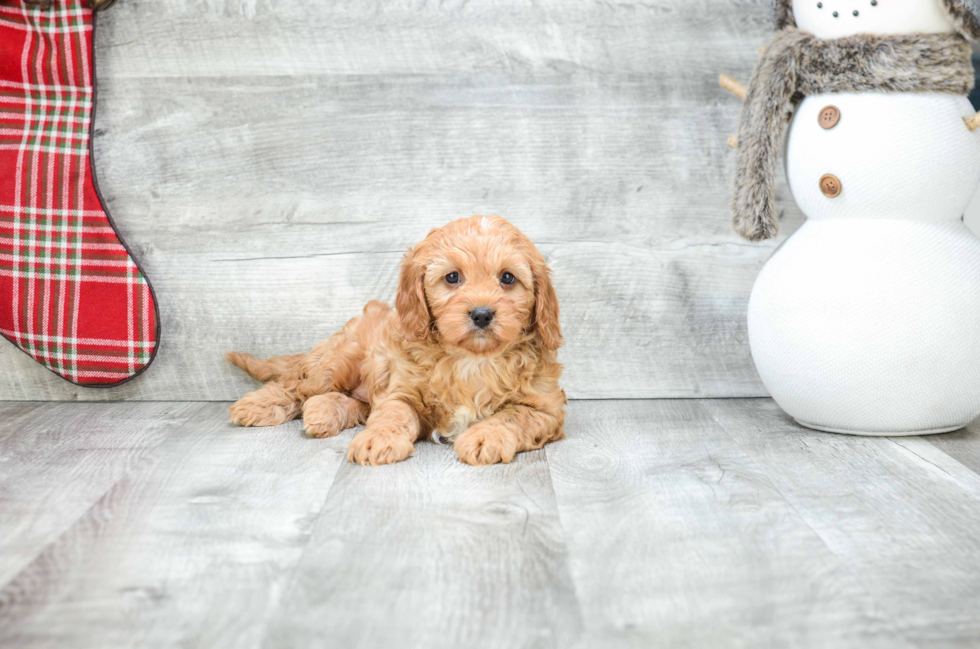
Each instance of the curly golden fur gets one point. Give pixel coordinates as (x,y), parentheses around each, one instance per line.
(427,369)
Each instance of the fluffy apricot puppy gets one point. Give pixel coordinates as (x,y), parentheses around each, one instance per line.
(467,356)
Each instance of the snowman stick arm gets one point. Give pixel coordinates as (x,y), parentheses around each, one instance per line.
(733,86)
(737,88)
(972,123)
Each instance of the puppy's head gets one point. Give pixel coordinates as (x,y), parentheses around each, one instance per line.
(481,285)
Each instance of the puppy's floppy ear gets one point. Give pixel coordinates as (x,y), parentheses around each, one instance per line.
(413,310)
(546,310)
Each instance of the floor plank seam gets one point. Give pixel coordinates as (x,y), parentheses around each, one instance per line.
(142,465)
(576,588)
(289,581)
(851,570)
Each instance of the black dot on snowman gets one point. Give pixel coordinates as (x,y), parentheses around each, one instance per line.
(856,13)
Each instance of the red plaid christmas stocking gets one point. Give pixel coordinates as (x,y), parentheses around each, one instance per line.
(71,295)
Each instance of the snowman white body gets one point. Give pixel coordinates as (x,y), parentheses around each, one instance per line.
(867,319)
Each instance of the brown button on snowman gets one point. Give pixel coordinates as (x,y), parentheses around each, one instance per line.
(830,185)
(829,117)
(867,319)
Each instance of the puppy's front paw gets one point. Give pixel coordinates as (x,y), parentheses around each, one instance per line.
(378,445)
(486,443)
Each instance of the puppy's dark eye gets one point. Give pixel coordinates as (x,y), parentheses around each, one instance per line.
(507,279)
(452,278)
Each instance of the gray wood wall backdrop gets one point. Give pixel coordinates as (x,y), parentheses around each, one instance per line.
(270,160)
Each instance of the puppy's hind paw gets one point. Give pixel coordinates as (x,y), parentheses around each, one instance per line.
(245,415)
(379,445)
(254,410)
(319,431)
(327,415)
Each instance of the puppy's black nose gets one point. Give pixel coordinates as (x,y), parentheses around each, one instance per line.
(481,317)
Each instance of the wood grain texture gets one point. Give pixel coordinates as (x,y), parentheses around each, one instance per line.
(962,445)
(56,461)
(193,550)
(903,516)
(270,161)
(677,538)
(432,553)
(655,524)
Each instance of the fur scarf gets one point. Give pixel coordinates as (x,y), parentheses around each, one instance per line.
(797,64)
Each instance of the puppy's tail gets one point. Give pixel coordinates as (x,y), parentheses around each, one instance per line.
(265,370)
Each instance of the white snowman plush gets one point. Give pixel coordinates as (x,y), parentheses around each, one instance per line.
(867,319)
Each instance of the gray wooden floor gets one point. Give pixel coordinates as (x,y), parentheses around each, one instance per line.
(656,523)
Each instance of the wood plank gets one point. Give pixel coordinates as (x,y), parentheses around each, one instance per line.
(434,553)
(14,415)
(678,539)
(400,37)
(962,445)
(193,551)
(900,514)
(270,161)
(657,523)
(57,460)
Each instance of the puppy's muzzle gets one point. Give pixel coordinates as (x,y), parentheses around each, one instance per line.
(481,317)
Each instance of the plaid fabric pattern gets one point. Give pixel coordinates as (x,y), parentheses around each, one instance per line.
(71,296)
